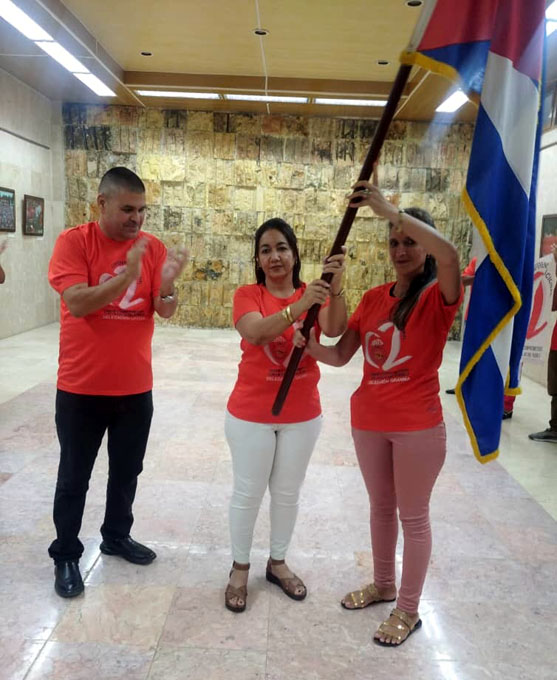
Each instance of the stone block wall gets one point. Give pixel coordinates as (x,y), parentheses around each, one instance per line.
(213,178)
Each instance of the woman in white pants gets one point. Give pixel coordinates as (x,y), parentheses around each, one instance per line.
(269,451)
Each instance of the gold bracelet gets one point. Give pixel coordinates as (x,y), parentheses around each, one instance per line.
(339,294)
(287,315)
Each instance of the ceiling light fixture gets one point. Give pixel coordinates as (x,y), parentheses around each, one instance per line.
(178,94)
(351,102)
(452,103)
(414,3)
(551,18)
(62,56)
(383,62)
(24,24)
(146,54)
(266,98)
(261,31)
(95,84)
(31,30)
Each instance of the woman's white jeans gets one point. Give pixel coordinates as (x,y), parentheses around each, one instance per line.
(273,455)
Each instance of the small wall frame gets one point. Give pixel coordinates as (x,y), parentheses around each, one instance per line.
(33,215)
(7,209)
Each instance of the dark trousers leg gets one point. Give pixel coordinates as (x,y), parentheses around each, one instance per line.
(128,432)
(81,421)
(552,387)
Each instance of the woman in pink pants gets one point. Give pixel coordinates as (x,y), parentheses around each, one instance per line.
(397,422)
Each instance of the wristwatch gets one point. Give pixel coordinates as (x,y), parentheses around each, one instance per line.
(169,298)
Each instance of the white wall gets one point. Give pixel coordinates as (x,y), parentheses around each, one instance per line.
(29,122)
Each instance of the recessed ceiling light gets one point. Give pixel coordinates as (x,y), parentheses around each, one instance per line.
(178,94)
(261,31)
(266,98)
(452,103)
(414,3)
(351,102)
(146,54)
(382,62)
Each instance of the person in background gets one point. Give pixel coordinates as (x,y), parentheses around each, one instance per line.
(550,433)
(112,277)
(467,277)
(274,451)
(3,247)
(397,420)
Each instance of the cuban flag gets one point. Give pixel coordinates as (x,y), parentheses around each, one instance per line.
(493,49)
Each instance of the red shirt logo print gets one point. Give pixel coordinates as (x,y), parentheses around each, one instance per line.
(540,300)
(127,301)
(382,347)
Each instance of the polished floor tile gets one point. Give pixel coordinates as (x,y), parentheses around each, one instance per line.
(489,602)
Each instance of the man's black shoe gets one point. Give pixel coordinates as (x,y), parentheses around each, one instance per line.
(450,391)
(68,581)
(507,415)
(548,435)
(128,549)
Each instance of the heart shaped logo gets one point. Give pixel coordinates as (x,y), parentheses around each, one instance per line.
(382,347)
(379,346)
(540,305)
(280,350)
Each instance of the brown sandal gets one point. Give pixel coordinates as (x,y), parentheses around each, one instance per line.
(363,598)
(288,585)
(400,630)
(240,593)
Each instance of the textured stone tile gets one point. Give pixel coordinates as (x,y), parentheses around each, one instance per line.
(82,661)
(114,614)
(192,664)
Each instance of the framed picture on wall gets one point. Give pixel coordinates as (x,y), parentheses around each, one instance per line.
(549,234)
(7,209)
(33,215)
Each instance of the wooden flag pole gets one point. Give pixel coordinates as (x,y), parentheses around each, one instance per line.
(346,224)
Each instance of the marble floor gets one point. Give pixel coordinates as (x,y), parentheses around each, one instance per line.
(490,603)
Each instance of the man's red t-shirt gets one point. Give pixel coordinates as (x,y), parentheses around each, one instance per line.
(262,367)
(399,391)
(107,352)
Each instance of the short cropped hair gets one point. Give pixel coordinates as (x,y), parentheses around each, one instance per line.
(120,178)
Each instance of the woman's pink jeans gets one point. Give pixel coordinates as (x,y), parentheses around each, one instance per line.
(399,471)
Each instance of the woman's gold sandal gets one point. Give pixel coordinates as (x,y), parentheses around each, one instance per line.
(364,597)
(237,593)
(399,630)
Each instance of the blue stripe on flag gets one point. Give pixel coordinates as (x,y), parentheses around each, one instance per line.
(469,59)
(482,393)
(504,208)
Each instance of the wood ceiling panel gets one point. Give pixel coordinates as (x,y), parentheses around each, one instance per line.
(327,47)
(314,38)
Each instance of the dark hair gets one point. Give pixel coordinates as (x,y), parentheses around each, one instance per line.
(288,233)
(121,178)
(402,310)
